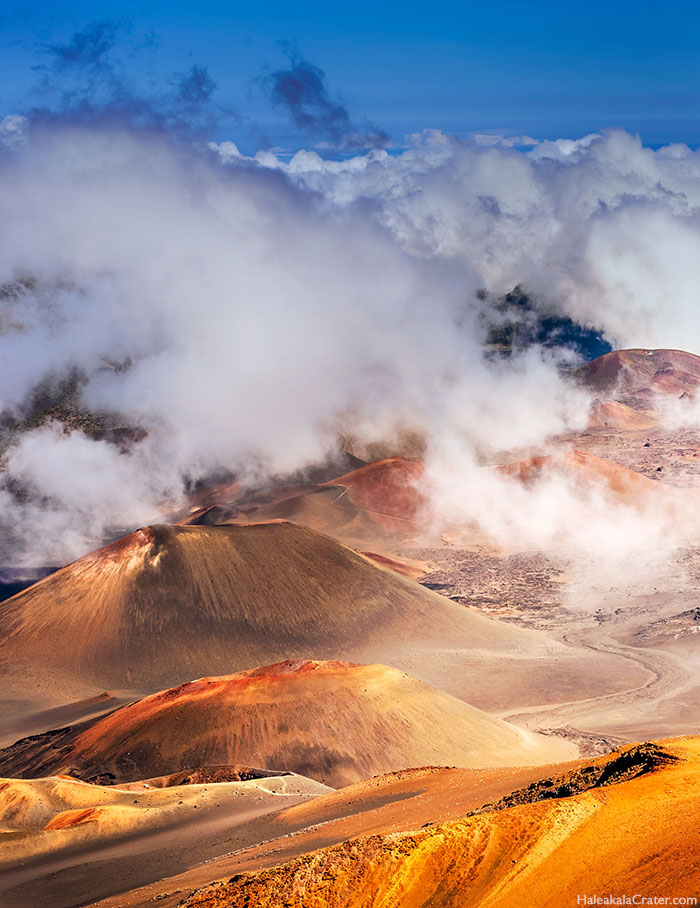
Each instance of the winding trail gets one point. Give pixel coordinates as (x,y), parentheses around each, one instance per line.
(626,714)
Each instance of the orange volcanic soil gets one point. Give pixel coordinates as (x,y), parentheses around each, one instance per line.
(170,603)
(642,373)
(586,470)
(628,827)
(331,721)
(398,802)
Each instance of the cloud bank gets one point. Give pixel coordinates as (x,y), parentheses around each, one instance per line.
(603,228)
(241,311)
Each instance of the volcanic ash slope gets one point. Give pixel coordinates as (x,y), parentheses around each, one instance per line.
(334,722)
(625,824)
(171,603)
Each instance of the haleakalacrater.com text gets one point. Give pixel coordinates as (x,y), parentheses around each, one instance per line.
(636,900)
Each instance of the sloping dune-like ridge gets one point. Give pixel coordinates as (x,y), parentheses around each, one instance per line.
(629,829)
(56,814)
(410,568)
(168,603)
(334,722)
(611,414)
(398,802)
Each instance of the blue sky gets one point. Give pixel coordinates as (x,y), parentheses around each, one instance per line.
(544,69)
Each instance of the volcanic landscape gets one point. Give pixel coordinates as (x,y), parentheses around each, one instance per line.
(324,691)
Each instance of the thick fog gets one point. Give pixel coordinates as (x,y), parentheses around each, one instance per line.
(241,312)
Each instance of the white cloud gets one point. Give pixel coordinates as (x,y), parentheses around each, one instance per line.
(260,303)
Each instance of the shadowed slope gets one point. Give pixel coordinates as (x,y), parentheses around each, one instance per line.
(397,802)
(332,721)
(629,829)
(326,509)
(54,815)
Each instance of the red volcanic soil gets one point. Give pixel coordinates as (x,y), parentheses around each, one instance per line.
(373,503)
(642,373)
(378,499)
(388,490)
(405,568)
(70,818)
(328,510)
(588,470)
(331,721)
